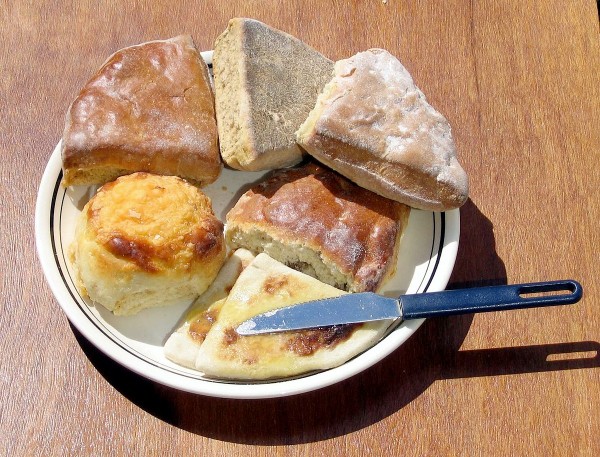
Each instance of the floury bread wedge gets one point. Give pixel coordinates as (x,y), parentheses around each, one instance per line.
(266,83)
(264,285)
(374,126)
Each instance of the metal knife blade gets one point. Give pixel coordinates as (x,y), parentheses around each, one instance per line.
(346,309)
(368,306)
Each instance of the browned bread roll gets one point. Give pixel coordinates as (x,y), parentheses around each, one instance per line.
(374,126)
(318,222)
(266,83)
(149,108)
(146,240)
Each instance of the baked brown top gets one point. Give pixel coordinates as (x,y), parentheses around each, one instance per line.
(158,223)
(149,108)
(314,206)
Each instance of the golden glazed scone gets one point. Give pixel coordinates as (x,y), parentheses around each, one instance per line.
(266,83)
(146,240)
(149,108)
(374,126)
(318,222)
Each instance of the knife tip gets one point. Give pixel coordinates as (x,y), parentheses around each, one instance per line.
(245,328)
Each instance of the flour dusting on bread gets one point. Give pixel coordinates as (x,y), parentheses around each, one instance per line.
(373,125)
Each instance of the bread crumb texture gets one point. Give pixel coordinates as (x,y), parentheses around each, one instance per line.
(266,83)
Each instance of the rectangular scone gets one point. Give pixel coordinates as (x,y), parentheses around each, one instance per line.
(315,221)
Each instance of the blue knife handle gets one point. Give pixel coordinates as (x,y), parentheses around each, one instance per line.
(491,298)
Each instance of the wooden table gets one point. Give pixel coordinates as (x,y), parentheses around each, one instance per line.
(519,83)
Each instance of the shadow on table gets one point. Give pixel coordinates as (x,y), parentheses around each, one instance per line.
(431,354)
(348,406)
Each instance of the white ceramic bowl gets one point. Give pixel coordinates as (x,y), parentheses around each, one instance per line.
(426,258)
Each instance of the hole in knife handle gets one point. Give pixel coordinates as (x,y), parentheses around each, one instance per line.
(548,293)
(561,289)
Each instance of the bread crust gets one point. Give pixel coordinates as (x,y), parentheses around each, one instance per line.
(182,345)
(348,235)
(267,285)
(374,126)
(150,107)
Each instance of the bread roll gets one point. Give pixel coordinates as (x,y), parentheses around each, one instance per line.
(149,108)
(266,83)
(318,222)
(374,126)
(144,241)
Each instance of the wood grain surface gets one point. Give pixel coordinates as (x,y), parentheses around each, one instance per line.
(519,83)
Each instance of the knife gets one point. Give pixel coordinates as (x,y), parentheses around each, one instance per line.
(368,306)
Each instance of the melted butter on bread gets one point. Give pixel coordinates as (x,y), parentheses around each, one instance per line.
(200,322)
(182,345)
(263,286)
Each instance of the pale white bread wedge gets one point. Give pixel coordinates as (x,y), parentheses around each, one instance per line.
(182,345)
(373,125)
(266,285)
(266,83)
